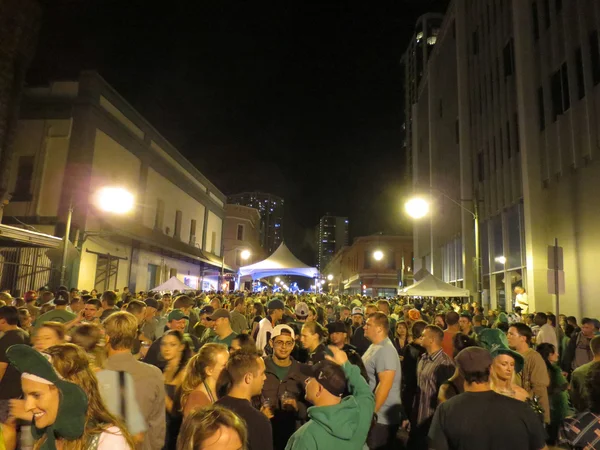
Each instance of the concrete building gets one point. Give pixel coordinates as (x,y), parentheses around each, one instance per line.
(241,232)
(76,137)
(508,114)
(332,235)
(415,60)
(355,269)
(20,21)
(271,216)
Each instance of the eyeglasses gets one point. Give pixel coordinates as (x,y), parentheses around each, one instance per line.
(283,343)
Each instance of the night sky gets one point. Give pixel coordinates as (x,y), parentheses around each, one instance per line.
(302,99)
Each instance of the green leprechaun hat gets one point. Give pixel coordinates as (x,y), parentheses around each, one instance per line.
(496,342)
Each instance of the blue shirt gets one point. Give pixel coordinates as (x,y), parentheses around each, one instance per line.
(381,358)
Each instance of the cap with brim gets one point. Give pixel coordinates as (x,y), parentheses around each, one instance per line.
(73,404)
(207,309)
(357,311)
(473,359)
(275,304)
(301,310)
(496,342)
(337,327)
(176,314)
(220,313)
(151,303)
(278,331)
(329,375)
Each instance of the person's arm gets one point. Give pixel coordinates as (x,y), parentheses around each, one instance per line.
(539,384)
(3,367)
(135,419)
(357,385)
(437,435)
(386,379)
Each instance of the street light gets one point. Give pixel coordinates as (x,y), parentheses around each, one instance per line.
(245,254)
(330,277)
(277,280)
(114,200)
(378,255)
(417,207)
(500,259)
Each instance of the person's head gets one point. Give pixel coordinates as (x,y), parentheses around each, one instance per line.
(246,371)
(377,327)
(208,363)
(462,341)
(184,303)
(151,308)
(338,333)
(88,337)
(283,339)
(432,338)
(384,307)
(474,364)
(49,334)
(258,309)
(326,383)
(213,428)
(312,335)
(477,320)
(174,346)
(417,331)
(46,297)
(242,342)
(109,299)
(540,319)
(220,320)
(548,352)
(519,290)
(91,308)
(177,320)
(344,313)
(440,321)
(595,346)
(9,318)
(358,316)
(167,300)
(329,310)
(312,314)
(519,336)
(138,309)
(552,319)
(275,309)
(30,296)
(371,308)
(76,304)
(452,318)
(25,318)
(215,302)
(588,327)
(592,385)
(572,320)
(121,330)
(401,329)
(240,305)
(465,324)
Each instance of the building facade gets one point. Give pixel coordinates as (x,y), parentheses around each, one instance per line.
(75,138)
(507,116)
(355,269)
(241,232)
(271,208)
(332,236)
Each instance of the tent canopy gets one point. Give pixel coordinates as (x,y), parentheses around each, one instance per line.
(430,286)
(281,262)
(172,284)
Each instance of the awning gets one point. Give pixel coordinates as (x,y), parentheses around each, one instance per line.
(281,262)
(431,286)
(20,237)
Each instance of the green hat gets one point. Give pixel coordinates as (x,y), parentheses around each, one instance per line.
(496,342)
(72,409)
(176,314)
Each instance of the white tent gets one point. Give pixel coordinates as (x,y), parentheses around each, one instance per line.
(430,286)
(281,262)
(172,284)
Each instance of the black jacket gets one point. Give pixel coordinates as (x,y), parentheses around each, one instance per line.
(285,422)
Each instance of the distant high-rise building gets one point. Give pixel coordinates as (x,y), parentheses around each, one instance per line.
(332,236)
(415,64)
(271,216)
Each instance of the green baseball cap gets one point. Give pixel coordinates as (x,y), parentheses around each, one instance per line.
(176,314)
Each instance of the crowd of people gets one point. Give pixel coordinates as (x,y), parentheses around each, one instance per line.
(261,371)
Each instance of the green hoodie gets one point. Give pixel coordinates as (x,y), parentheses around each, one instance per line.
(342,426)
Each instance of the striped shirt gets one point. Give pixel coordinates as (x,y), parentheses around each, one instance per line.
(432,371)
(582,431)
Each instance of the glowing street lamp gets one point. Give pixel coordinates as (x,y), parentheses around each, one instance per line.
(378,255)
(277,280)
(500,259)
(417,207)
(245,254)
(330,277)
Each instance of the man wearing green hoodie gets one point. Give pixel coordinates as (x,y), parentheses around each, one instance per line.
(336,422)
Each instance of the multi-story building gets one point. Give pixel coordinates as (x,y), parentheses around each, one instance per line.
(375,265)
(507,115)
(414,61)
(241,232)
(271,208)
(332,235)
(77,137)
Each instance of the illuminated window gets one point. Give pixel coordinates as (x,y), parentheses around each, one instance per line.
(431,40)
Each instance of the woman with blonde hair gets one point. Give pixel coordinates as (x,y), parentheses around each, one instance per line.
(213,427)
(199,386)
(61,393)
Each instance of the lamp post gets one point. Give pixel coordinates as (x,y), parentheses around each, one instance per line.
(418,207)
(108,199)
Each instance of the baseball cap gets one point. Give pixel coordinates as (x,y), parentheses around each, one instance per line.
(301,310)
(176,314)
(329,375)
(357,310)
(151,303)
(277,331)
(473,359)
(337,327)
(275,304)
(220,313)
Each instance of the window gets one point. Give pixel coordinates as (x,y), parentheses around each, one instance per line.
(240,232)
(541,112)
(517,133)
(213,242)
(178,217)
(238,257)
(595,55)
(566,96)
(160,213)
(492,153)
(509,58)
(561,100)
(24,178)
(535,20)
(580,79)
(547,13)
(193,232)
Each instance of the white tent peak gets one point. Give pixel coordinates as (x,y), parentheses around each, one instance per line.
(430,286)
(172,284)
(281,262)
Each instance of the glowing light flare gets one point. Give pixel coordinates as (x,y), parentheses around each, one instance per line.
(245,254)
(330,277)
(378,255)
(417,207)
(500,259)
(115,200)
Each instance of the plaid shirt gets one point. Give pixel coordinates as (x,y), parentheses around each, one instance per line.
(432,371)
(582,431)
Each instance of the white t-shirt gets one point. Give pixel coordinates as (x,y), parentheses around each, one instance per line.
(522,301)
(264,327)
(112,439)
